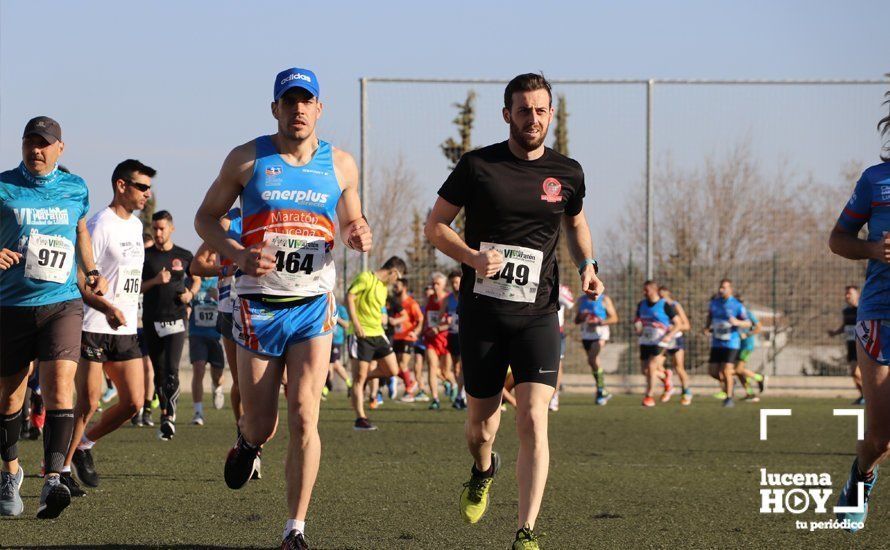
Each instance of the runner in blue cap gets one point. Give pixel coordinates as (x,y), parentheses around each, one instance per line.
(291,185)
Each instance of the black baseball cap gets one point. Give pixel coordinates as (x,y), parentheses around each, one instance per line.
(43,126)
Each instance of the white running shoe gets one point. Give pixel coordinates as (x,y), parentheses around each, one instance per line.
(219,398)
(198,419)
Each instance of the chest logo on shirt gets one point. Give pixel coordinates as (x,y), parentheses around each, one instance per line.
(273,175)
(552,190)
(41,216)
(885,192)
(176,264)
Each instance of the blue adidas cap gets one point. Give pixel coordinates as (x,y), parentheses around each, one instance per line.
(289,78)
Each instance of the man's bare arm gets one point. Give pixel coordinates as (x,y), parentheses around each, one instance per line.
(439,232)
(581,248)
(847,244)
(354,229)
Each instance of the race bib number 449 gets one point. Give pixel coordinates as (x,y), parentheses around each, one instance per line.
(49,258)
(518,279)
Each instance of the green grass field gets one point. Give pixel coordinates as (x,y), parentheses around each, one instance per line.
(621,477)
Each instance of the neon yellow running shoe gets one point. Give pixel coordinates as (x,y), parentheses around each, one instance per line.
(720,395)
(474,497)
(526,539)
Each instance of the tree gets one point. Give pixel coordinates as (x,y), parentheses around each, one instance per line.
(564,260)
(453,150)
(395,194)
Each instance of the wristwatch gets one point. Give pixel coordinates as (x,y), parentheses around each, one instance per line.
(93,273)
(587,262)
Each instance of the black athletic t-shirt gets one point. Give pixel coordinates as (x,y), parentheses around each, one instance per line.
(161,302)
(510,201)
(849,314)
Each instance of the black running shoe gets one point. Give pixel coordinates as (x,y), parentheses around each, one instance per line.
(85,468)
(68,481)
(294,541)
(137,419)
(363,425)
(167,430)
(54,498)
(240,464)
(146,418)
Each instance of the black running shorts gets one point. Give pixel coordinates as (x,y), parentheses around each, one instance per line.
(224,324)
(851,351)
(723,355)
(101,348)
(45,333)
(371,348)
(647,352)
(403,346)
(208,350)
(491,342)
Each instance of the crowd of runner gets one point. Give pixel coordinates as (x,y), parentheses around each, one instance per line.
(88,302)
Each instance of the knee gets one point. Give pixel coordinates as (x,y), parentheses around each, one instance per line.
(303,428)
(480,433)
(531,424)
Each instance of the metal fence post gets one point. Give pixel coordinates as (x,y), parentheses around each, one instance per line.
(650,214)
(775,315)
(363,181)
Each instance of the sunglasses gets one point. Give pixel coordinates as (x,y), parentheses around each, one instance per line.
(140,186)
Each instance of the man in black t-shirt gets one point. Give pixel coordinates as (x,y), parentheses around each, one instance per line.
(168,287)
(848,329)
(515,195)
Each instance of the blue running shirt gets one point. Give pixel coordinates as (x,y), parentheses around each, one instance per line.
(38,218)
(870,204)
(723,334)
(202,322)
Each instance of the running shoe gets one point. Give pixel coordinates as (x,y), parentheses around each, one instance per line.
(751,398)
(198,419)
(373,404)
(474,496)
(137,419)
(554,402)
(324,393)
(85,468)
(526,539)
(666,396)
(603,397)
(648,401)
(240,463)
(422,397)
(294,541)
(761,384)
(219,397)
(860,401)
(434,405)
(728,402)
(850,496)
(460,404)
(257,466)
(379,397)
(720,395)
(363,425)
(73,487)
(167,430)
(408,398)
(146,418)
(686,398)
(454,393)
(155,402)
(109,395)
(54,498)
(10,493)
(393,387)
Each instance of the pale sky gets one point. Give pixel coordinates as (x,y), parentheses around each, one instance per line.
(178,84)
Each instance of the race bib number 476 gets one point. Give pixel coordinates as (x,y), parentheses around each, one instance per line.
(518,279)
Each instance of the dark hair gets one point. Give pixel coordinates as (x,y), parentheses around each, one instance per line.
(663,288)
(454,273)
(402,280)
(528,82)
(884,128)
(852,287)
(650,282)
(396,263)
(126,169)
(725,281)
(162,215)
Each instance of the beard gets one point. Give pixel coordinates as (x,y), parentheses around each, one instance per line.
(523,141)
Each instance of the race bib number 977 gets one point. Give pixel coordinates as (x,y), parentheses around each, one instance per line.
(518,279)
(49,258)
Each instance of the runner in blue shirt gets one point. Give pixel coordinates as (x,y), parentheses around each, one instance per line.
(205,347)
(869,204)
(43,232)
(746,376)
(726,316)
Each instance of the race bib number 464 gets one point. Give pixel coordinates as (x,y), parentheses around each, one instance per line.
(49,258)
(518,279)
(297,259)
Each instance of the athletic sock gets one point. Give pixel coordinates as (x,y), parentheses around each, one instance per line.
(294,525)
(66,469)
(85,444)
(863,477)
(10,429)
(199,408)
(600,380)
(487,473)
(57,438)
(147,405)
(406,377)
